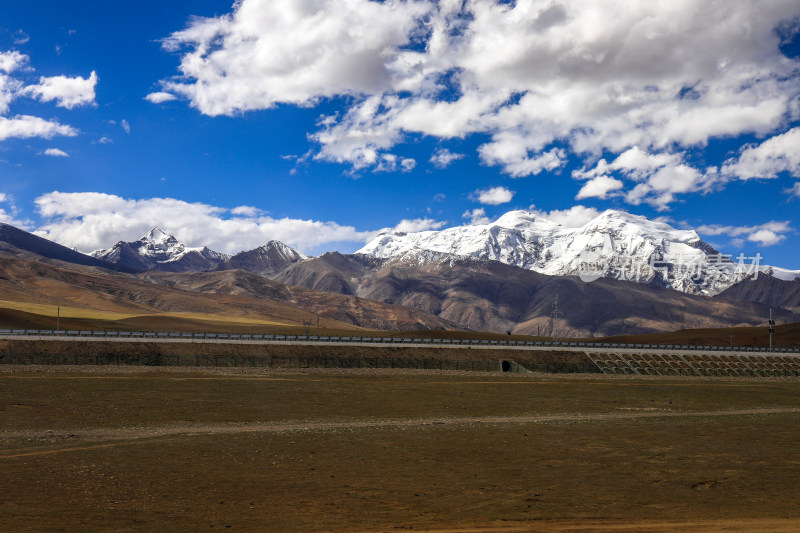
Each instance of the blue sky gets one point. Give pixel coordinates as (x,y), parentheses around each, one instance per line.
(319,123)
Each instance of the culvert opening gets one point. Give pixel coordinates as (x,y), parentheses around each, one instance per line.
(506,366)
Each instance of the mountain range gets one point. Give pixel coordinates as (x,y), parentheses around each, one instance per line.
(614,245)
(501,277)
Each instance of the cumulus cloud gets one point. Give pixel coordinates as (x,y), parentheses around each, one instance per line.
(160,97)
(768,159)
(293,52)
(493,196)
(767,234)
(658,177)
(599,187)
(12,60)
(443,157)
(26,126)
(476,217)
(544,81)
(126,127)
(91,220)
(794,190)
(55,152)
(66,91)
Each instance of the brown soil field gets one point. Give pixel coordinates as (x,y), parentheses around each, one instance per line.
(184,449)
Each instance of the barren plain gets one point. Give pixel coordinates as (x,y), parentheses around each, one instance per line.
(187,449)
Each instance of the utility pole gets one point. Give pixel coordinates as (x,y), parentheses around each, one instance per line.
(731,341)
(58,318)
(683,316)
(555,315)
(771,328)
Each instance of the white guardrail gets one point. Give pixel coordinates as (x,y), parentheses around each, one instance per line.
(182,335)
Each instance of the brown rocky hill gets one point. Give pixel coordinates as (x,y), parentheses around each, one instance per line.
(233,294)
(344,308)
(766,290)
(491,296)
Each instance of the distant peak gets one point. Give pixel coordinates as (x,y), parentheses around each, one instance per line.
(156,235)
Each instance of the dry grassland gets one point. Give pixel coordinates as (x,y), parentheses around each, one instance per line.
(188,450)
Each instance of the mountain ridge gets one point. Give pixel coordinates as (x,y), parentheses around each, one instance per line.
(615,244)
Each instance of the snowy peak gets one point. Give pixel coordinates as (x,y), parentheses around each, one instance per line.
(283,250)
(160,246)
(158,250)
(156,235)
(615,244)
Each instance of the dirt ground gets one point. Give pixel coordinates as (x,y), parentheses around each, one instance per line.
(131,449)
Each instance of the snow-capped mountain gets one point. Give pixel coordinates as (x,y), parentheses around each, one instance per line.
(159,251)
(614,245)
(266,260)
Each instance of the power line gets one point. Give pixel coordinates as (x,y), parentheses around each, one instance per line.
(554,317)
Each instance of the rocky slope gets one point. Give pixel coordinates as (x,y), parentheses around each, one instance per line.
(492,296)
(767,290)
(266,260)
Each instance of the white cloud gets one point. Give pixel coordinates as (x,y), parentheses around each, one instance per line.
(443,157)
(103,140)
(542,79)
(55,152)
(9,213)
(661,187)
(160,97)
(125,126)
(244,210)
(90,220)
(574,217)
(11,61)
(493,196)
(10,87)
(285,51)
(518,159)
(766,237)
(476,217)
(26,126)
(67,92)
(794,190)
(20,37)
(599,187)
(768,159)
(418,224)
(658,177)
(767,234)
(392,163)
